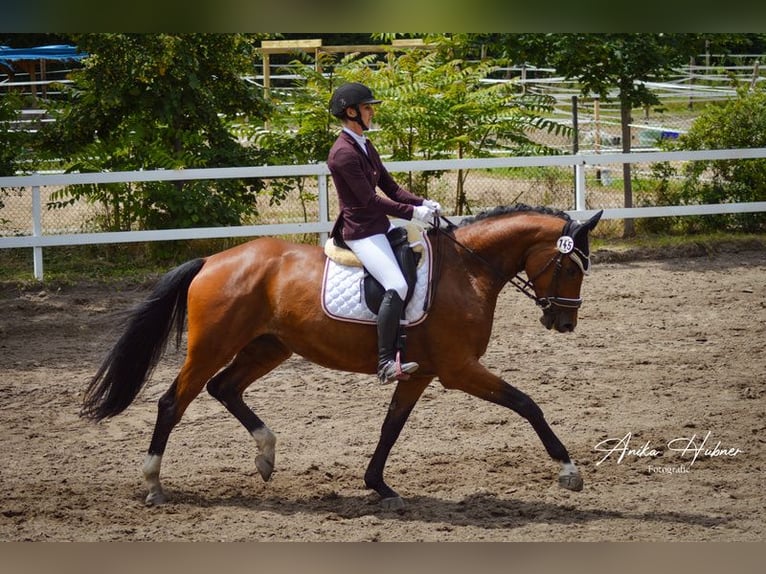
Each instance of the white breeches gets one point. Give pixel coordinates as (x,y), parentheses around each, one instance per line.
(376,255)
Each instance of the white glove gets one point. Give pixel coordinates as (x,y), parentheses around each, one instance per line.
(423,213)
(435,205)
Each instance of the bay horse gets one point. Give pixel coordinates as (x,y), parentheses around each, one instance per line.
(252,306)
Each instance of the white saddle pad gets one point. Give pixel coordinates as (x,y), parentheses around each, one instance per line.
(343,291)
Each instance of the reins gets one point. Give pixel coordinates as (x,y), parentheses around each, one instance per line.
(525,286)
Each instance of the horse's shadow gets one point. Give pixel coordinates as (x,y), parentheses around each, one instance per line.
(483,510)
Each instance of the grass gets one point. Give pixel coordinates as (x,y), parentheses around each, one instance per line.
(68,265)
(133,263)
(673,241)
(647,246)
(142,263)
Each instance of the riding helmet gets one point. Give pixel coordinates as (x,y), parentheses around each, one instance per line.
(351,94)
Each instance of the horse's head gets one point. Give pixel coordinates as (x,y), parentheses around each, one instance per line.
(556,272)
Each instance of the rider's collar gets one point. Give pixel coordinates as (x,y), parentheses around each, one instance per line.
(360,139)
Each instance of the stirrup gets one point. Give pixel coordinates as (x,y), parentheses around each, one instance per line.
(395,370)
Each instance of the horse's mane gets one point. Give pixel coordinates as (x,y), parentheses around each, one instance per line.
(510,209)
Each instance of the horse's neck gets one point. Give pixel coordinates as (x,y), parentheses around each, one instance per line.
(503,242)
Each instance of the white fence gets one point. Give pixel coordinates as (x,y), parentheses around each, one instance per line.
(37,240)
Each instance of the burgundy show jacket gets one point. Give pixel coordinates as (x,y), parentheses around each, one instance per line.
(356,175)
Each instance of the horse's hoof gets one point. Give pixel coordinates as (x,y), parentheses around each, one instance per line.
(571,481)
(392,503)
(265,467)
(156,498)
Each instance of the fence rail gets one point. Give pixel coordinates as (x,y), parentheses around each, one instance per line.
(37,240)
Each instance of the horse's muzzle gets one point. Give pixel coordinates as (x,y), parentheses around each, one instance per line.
(564,320)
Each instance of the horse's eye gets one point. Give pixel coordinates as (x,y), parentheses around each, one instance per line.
(571,271)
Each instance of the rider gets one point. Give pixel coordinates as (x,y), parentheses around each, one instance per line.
(362,223)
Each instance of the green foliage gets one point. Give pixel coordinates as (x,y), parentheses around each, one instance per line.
(739,123)
(159,101)
(167,101)
(439,105)
(601,62)
(436,105)
(13,143)
(299,132)
(615,62)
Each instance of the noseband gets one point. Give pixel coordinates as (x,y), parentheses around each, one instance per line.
(565,246)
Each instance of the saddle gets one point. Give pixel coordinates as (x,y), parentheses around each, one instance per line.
(406,257)
(349,292)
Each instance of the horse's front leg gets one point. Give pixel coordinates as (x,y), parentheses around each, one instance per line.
(478,381)
(405,396)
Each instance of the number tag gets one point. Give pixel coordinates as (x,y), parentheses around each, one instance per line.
(565,244)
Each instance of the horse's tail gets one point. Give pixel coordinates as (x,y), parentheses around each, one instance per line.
(139,349)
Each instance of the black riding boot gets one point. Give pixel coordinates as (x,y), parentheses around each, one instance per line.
(390,367)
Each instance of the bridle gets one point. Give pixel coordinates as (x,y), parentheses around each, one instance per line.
(565,248)
(526,285)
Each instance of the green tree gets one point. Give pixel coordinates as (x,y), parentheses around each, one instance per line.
(12,141)
(739,123)
(611,66)
(151,101)
(300,130)
(440,105)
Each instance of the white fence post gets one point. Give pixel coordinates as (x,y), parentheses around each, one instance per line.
(37,231)
(580,186)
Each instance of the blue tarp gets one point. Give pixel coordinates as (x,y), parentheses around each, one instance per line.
(59,52)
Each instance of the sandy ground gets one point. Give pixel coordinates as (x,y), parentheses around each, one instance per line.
(658,395)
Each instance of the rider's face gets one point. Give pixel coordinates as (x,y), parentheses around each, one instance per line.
(366,111)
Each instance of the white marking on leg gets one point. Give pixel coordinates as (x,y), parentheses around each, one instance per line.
(569,477)
(569,468)
(152,464)
(266,442)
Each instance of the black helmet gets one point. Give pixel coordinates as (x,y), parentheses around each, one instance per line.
(351,94)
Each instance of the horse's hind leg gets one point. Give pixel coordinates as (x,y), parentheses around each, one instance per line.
(481,383)
(255,360)
(170,409)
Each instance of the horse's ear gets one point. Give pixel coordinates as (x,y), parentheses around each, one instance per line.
(591,223)
(580,231)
